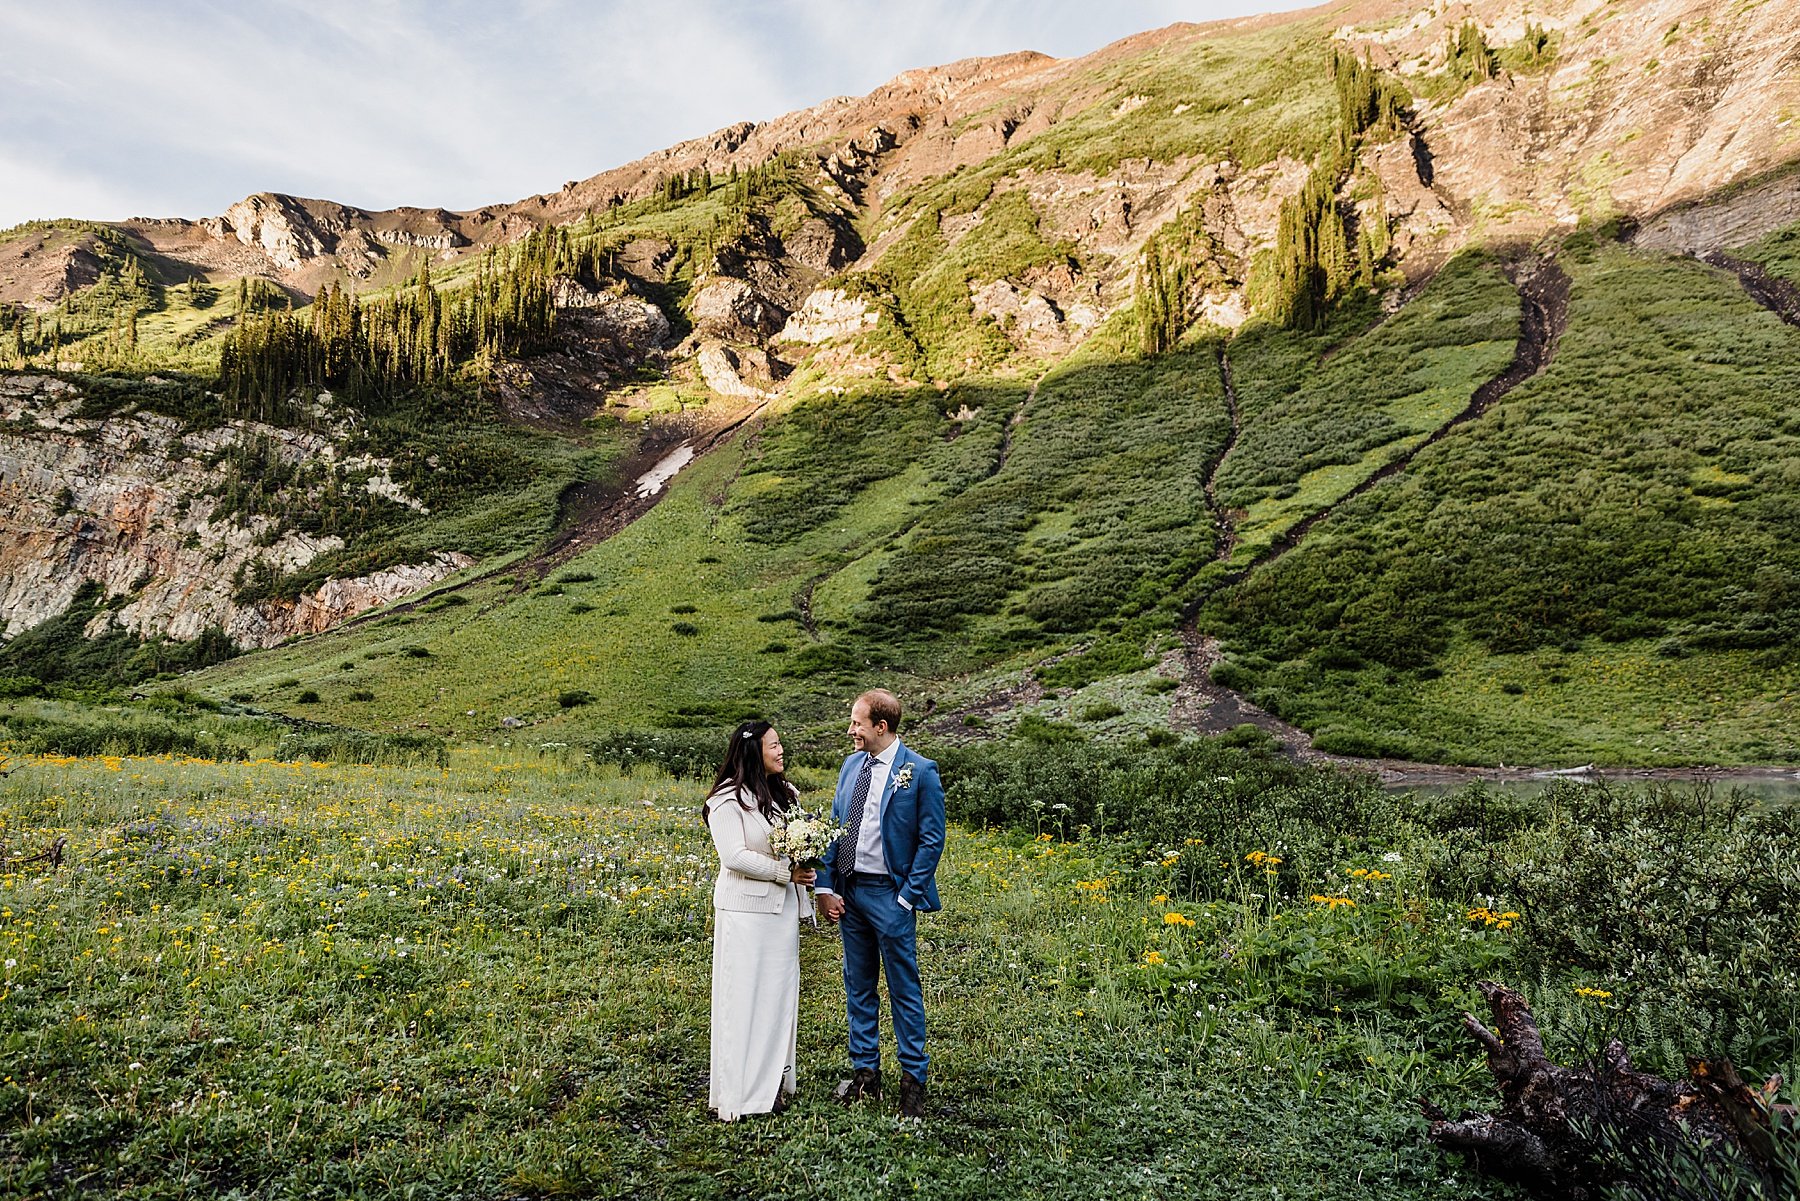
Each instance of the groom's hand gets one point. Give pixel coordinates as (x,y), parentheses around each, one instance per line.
(831,905)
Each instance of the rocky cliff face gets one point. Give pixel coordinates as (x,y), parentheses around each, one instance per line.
(1641,107)
(125,503)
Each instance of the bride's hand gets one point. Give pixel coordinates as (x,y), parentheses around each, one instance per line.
(804,876)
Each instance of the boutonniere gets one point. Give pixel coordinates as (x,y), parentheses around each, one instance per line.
(903,779)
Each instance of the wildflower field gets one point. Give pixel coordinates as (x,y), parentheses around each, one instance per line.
(491,979)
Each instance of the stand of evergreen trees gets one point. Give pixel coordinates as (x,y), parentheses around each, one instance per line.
(1367,100)
(1321,251)
(1315,262)
(107,308)
(1469,58)
(1161,299)
(415,337)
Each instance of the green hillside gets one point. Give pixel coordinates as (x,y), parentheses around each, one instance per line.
(1603,566)
(1530,502)
(1591,570)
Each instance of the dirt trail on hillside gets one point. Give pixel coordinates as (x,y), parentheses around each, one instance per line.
(1224,520)
(1210,708)
(1543,315)
(590,513)
(1772,292)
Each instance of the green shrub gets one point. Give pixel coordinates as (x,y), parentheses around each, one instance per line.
(1250,736)
(1045,732)
(686,629)
(21,686)
(113,732)
(1675,898)
(1228,674)
(823,659)
(574,697)
(337,745)
(685,754)
(308,697)
(1100,711)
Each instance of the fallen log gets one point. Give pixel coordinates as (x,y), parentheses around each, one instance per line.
(52,854)
(1573,1133)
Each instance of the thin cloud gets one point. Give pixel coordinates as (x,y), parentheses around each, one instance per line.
(121,109)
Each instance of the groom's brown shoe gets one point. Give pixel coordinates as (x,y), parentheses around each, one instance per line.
(912,1097)
(864,1084)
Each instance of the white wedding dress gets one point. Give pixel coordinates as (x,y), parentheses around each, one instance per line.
(755,1008)
(756,971)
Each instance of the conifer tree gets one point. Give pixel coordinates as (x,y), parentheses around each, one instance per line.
(1469,58)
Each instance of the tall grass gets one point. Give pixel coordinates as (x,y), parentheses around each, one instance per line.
(490,978)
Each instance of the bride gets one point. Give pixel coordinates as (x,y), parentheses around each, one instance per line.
(758,900)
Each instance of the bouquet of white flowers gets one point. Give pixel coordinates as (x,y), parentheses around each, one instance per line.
(804,838)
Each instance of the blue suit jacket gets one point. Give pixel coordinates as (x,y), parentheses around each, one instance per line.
(912,826)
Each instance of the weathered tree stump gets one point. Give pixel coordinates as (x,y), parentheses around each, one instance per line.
(1564,1132)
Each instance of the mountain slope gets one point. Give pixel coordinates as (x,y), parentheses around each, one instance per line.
(1383,376)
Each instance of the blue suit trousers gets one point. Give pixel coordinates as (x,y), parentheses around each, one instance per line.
(880,934)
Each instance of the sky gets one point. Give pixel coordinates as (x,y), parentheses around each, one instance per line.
(120,108)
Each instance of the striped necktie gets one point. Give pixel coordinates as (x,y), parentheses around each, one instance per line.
(859,803)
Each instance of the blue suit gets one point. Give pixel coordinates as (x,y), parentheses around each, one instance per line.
(880,933)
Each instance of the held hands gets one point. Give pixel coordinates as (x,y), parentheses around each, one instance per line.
(831,905)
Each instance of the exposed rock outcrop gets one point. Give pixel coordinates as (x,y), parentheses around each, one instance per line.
(828,315)
(126,503)
(1735,219)
(1030,320)
(728,307)
(628,320)
(280,226)
(725,368)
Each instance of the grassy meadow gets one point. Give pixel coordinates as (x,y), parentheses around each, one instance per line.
(490,978)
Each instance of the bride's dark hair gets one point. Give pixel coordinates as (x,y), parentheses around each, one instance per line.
(743,772)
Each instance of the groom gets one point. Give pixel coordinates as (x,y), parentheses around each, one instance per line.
(878,876)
